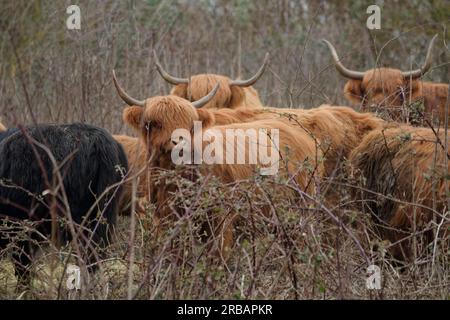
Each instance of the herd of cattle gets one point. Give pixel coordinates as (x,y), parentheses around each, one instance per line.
(82,175)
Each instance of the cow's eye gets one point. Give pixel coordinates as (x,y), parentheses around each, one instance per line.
(152,125)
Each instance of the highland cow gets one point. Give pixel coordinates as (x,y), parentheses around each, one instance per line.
(156,119)
(401,93)
(403,172)
(138,156)
(231,94)
(53,175)
(348,127)
(336,129)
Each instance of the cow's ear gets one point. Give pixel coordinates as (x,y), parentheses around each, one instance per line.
(206,117)
(237,96)
(353,91)
(180,90)
(132,116)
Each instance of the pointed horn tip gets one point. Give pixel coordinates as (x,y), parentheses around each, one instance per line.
(433,40)
(125,97)
(255,77)
(156,60)
(328,43)
(351,74)
(216,87)
(431,45)
(203,101)
(165,75)
(266,61)
(214,90)
(427,64)
(114,77)
(155,56)
(331,48)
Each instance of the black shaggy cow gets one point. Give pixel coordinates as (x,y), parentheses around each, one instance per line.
(33,162)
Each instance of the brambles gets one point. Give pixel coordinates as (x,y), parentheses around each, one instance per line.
(283,249)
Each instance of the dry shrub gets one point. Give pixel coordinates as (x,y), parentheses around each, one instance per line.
(283,249)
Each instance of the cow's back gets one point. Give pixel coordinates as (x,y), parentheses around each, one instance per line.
(435,99)
(85,157)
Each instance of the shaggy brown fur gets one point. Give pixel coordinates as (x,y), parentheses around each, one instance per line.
(137,153)
(301,148)
(162,115)
(387,88)
(405,163)
(339,129)
(226,97)
(137,160)
(347,125)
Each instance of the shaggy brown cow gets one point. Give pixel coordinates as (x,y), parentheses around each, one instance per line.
(409,165)
(138,157)
(155,119)
(138,162)
(401,93)
(339,130)
(347,125)
(232,93)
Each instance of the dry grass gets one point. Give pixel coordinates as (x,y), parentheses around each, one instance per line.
(306,249)
(301,250)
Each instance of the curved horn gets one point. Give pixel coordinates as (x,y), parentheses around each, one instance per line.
(125,97)
(165,75)
(252,80)
(356,75)
(427,64)
(201,102)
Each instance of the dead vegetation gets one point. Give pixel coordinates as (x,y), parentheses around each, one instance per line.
(310,248)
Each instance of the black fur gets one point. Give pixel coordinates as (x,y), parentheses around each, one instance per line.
(88,158)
